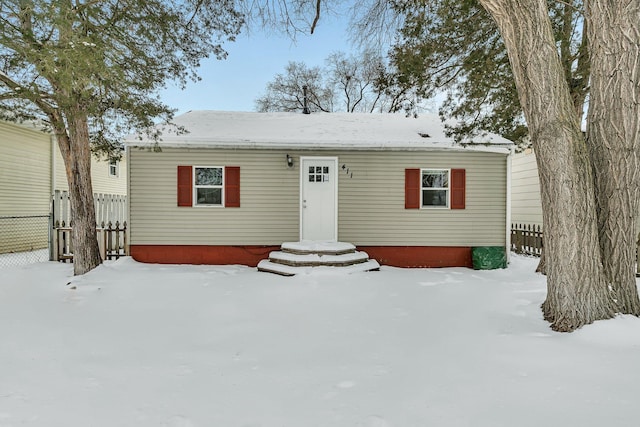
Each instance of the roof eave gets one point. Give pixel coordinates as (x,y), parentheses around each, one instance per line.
(246,145)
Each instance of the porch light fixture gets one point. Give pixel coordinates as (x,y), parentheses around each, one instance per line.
(289,161)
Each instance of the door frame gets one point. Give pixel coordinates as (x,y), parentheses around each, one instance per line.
(303,176)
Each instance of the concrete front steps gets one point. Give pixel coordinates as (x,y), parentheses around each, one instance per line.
(309,256)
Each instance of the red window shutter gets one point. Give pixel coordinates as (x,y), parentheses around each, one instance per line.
(232,186)
(458,184)
(185,182)
(412,188)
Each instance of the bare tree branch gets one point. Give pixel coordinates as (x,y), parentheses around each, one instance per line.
(317,17)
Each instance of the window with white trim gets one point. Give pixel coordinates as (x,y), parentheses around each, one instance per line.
(208,185)
(434,185)
(113,167)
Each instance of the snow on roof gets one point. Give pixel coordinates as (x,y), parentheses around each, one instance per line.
(317,131)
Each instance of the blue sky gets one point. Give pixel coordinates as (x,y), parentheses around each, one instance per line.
(254,59)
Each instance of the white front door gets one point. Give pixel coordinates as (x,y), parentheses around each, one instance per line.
(319,201)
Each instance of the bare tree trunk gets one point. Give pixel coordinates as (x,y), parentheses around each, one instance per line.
(613,131)
(577,293)
(76,153)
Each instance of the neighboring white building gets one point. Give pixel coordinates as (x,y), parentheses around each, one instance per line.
(526,207)
(31,169)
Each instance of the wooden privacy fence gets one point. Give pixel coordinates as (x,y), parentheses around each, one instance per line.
(526,239)
(111,226)
(109,207)
(112,241)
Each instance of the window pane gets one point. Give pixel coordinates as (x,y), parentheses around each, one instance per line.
(435,179)
(325,169)
(113,167)
(209,196)
(208,176)
(434,198)
(311,169)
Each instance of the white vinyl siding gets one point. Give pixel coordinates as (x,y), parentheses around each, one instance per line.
(526,207)
(25,187)
(435,192)
(25,171)
(101,179)
(269,195)
(381,185)
(370,199)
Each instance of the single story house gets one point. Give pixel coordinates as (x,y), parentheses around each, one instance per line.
(238,185)
(31,169)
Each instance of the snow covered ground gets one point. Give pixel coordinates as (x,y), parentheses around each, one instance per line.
(134,344)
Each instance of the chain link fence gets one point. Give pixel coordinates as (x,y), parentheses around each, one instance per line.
(24,239)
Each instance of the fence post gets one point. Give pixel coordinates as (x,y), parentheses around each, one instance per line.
(512,239)
(60,239)
(52,240)
(126,246)
(638,256)
(521,239)
(100,234)
(539,241)
(117,240)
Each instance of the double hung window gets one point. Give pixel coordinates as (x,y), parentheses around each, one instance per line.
(435,188)
(208,185)
(113,167)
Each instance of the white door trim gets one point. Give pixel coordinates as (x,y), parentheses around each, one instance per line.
(334,179)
